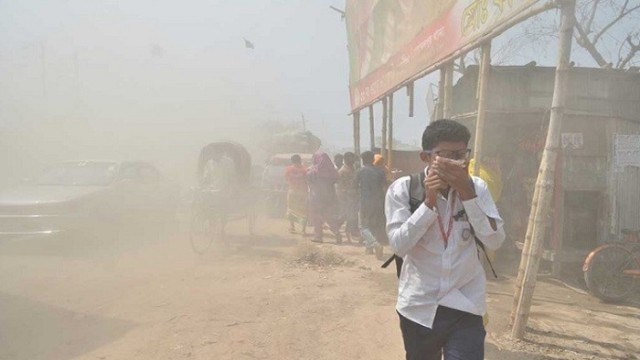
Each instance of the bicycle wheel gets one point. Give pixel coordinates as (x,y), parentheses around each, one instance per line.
(606,276)
(204,229)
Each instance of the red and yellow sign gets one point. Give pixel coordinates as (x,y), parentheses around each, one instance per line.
(391,41)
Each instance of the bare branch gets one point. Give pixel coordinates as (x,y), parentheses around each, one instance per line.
(602,25)
(583,40)
(622,14)
(594,9)
(620,55)
(635,48)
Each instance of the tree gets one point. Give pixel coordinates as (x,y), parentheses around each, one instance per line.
(598,19)
(607,30)
(280,137)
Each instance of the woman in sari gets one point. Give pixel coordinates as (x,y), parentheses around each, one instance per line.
(323,205)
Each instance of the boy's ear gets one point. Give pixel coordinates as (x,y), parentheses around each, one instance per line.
(425,157)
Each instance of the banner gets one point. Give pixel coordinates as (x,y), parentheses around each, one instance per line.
(392,40)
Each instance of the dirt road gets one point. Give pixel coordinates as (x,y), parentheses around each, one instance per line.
(263,298)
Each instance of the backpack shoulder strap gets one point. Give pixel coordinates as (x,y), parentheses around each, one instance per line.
(416,197)
(416,191)
(480,245)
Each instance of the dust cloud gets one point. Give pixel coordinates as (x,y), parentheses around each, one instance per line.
(98,83)
(138,80)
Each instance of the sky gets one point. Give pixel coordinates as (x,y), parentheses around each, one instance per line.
(129,61)
(146,76)
(161,77)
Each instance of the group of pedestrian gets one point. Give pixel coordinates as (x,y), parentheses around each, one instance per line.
(347,191)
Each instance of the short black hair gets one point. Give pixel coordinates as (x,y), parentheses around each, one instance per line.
(296,159)
(349,158)
(444,130)
(367,157)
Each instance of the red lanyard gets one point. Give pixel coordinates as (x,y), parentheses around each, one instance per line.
(445,236)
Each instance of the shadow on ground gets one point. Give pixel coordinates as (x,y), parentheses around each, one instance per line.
(32,330)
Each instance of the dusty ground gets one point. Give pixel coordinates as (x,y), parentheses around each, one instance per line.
(133,299)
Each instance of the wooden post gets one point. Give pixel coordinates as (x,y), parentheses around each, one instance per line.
(448,90)
(385,112)
(356,132)
(440,104)
(410,94)
(483,82)
(372,130)
(558,219)
(525,255)
(390,133)
(544,183)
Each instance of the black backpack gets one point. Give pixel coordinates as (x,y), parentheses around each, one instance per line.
(416,197)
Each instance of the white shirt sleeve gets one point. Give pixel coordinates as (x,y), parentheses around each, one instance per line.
(478,210)
(404,228)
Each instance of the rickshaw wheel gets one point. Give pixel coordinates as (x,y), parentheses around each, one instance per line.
(203,231)
(606,276)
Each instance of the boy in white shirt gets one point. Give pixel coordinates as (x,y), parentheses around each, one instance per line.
(441,291)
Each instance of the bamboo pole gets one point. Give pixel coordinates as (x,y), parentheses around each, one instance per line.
(390,133)
(356,125)
(525,256)
(440,104)
(357,133)
(483,82)
(448,90)
(383,146)
(558,219)
(372,131)
(410,93)
(545,179)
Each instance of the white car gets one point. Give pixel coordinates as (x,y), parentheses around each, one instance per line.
(76,195)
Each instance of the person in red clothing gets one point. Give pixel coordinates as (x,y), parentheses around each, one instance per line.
(323,203)
(296,177)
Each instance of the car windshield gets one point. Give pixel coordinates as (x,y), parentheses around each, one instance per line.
(78,174)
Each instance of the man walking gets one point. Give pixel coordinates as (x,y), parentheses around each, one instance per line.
(348,195)
(372,183)
(441,297)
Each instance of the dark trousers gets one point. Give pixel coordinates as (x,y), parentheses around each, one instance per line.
(373,219)
(457,334)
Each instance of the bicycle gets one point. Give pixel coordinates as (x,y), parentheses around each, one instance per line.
(207,221)
(612,270)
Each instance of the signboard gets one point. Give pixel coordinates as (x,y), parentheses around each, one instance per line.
(572,141)
(626,151)
(392,40)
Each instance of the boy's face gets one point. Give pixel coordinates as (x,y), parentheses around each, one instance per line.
(449,150)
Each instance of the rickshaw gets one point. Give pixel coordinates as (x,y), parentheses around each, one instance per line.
(213,208)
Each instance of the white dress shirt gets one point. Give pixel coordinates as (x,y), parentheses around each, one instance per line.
(433,274)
